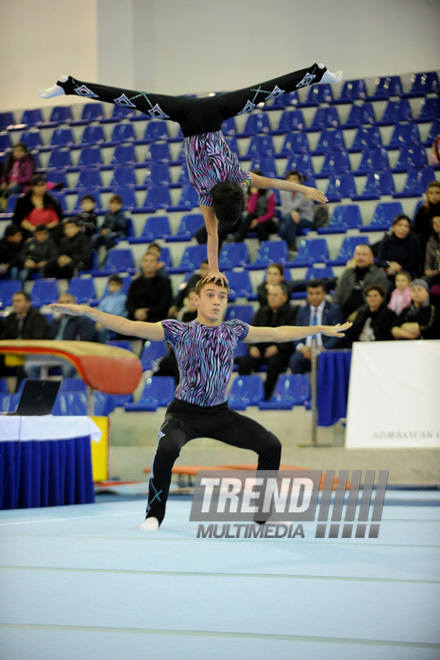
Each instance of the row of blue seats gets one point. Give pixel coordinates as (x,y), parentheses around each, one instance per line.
(72,402)
(352,90)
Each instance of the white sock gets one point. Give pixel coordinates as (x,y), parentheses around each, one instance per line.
(330,77)
(55,90)
(150,525)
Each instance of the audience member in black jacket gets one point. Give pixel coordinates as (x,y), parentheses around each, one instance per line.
(374,320)
(423,218)
(277,312)
(149,296)
(36,253)
(10,247)
(74,252)
(401,250)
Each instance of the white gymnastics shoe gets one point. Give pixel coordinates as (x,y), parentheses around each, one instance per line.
(149,525)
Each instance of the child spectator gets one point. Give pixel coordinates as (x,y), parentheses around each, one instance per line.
(189,310)
(115,225)
(18,172)
(36,252)
(186,287)
(10,247)
(401,295)
(260,213)
(74,252)
(112,303)
(87,215)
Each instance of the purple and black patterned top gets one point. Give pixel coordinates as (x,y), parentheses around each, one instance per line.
(205,357)
(210,161)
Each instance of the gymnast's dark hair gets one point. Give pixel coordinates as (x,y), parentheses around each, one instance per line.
(228,202)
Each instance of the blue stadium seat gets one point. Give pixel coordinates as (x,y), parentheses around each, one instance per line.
(158,391)
(11,203)
(59,159)
(386,87)
(293,143)
(366,137)
(124,154)
(32,139)
(352,90)
(93,135)
(119,343)
(8,402)
(319,272)
(118,112)
(330,140)
(62,137)
(340,186)
(290,391)
(158,152)
(6,119)
(156,130)
(90,112)
(83,288)
(45,291)
(89,178)
(383,216)
(32,117)
(257,122)
(188,226)
(128,198)
(240,285)
(266,164)
(241,312)
(90,157)
(245,391)
(61,114)
(301,162)
(189,199)
(260,145)
(7,290)
(192,256)
(373,160)
(335,162)
(165,256)
(343,218)
(324,118)
(122,133)
(158,175)
(183,178)
(233,255)
(290,120)
(240,350)
(118,261)
(58,177)
(232,143)
(229,127)
(416,182)
(156,226)
(396,111)
(73,385)
(429,110)
(404,134)
(70,403)
(152,351)
(433,132)
(270,252)
(157,199)
(360,115)
(5,142)
(423,84)
(311,251)
(347,249)
(319,94)
(376,185)
(123,176)
(410,156)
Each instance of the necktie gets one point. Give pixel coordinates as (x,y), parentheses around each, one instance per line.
(315,319)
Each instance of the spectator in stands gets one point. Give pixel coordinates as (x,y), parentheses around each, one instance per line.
(37,207)
(115,225)
(62,328)
(372,321)
(274,275)
(432,256)
(296,211)
(18,172)
(349,292)
(87,214)
(400,250)
(149,296)
(277,312)
(10,247)
(260,216)
(188,312)
(114,302)
(35,253)
(73,254)
(185,288)
(24,322)
(401,295)
(422,220)
(317,311)
(420,320)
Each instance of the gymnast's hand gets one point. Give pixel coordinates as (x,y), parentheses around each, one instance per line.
(71,310)
(217,278)
(313,194)
(337,330)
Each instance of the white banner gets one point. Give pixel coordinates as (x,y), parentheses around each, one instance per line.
(394,394)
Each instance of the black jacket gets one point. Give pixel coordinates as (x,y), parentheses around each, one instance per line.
(381,323)
(25,206)
(77,327)
(38,251)
(286,315)
(153,293)
(78,248)
(34,326)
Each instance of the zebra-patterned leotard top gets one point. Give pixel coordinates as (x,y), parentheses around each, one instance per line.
(205,357)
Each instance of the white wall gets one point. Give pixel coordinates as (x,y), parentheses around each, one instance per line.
(184,46)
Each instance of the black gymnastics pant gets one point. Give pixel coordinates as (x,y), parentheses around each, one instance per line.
(197,115)
(184,422)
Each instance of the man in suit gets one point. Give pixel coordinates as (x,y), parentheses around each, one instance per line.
(316,311)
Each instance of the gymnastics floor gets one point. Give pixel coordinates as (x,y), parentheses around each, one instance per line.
(82,582)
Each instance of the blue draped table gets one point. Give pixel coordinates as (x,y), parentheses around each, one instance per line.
(332,383)
(46,461)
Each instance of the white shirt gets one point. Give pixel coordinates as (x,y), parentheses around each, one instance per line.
(319,312)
